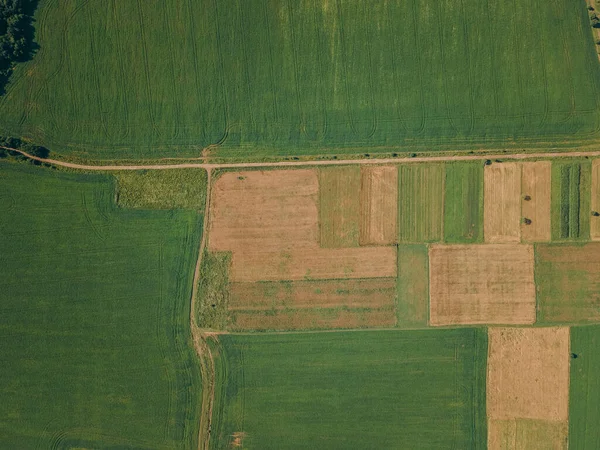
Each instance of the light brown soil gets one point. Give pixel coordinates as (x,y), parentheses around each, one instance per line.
(379,205)
(528,373)
(264,210)
(527,434)
(536,178)
(481,284)
(595,220)
(502,203)
(313,264)
(237,439)
(339,206)
(314,319)
(369,293)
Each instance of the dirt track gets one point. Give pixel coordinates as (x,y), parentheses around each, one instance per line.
(209,166)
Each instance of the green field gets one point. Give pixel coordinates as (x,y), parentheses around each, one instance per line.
(386,389)
(412,286)
(584,394)
(132,79)
(463,203)
(94,317)
(571,210)
(567,279)
(421,203)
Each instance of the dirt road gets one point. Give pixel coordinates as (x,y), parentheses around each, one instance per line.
(209,166)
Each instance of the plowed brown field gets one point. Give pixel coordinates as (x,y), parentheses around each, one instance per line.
(536,179)
(528,373)
(369,293)
(477,284)
(379,205)
(502,203)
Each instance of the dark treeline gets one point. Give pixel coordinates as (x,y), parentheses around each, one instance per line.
(16,35)
(27,147)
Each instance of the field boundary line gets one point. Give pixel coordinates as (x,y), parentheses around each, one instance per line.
(199,338)
(308,163)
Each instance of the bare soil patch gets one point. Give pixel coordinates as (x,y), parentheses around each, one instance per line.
(502,203)
(481,284)
(527,434)
(528,373)
(301,319)
(339,206)
(379,205)
(275,209)
(368,293)
(313,264)
(595,220)
(535,206)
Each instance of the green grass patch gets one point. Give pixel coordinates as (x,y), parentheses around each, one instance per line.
(571,197)
(94,317)
(463,203)
(567,279)
(421,202)
(380,389)
(162,189)
(584,392)
(213,290)
(412,307)
(130,79)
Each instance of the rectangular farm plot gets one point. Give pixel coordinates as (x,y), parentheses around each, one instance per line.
(481,284)
(262,296)
(571,194)
(595,200)
(527,434)
(314,264)
(378,389)
(273,209)
(378,205)
(568,280)
(528,374)
(339,206)
(535,206)
(502,203)
(312,319)
(413,286)
(463,202)
(584,394)
(420,202)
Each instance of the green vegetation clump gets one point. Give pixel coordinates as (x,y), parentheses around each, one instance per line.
(94,317)
(162,189)
(213,291)
(377,389)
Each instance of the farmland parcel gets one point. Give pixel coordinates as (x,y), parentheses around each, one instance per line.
(116,79)
(94,317)
(386,389)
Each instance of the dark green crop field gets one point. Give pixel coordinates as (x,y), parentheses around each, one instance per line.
(390,389)
(94,317)
(256,78)
(584,414)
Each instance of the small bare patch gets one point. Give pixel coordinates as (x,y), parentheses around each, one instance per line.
(237,439)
